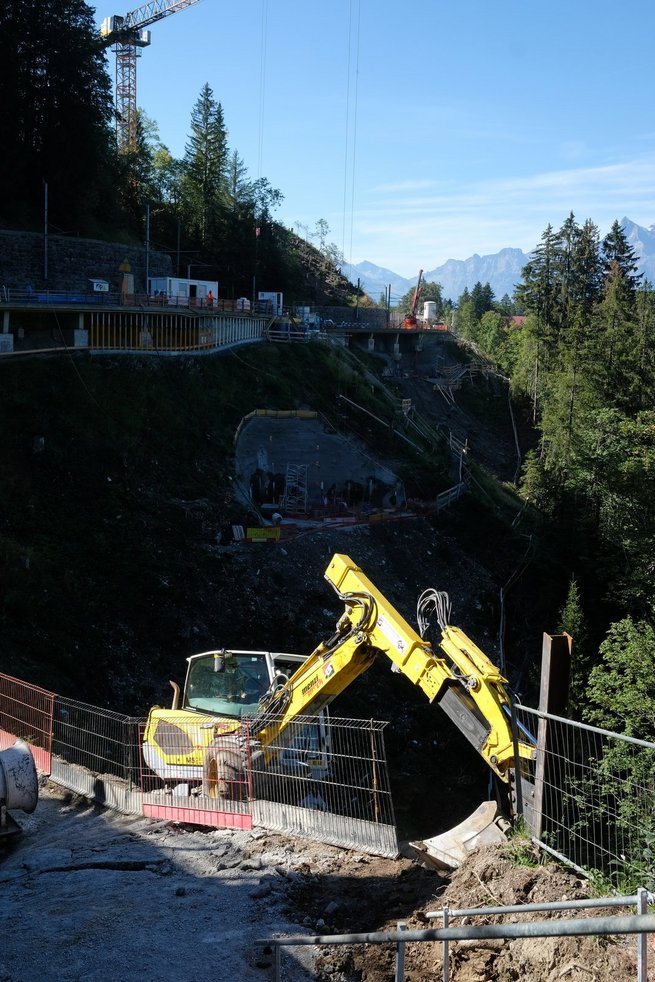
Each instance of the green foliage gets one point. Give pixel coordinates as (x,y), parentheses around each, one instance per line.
(205,169)
(429,291)
(55,115)
(520,849)
(621,879)
(574,622)
(621,691)
(572,619)
(621,698)
(535,484)
(584,358)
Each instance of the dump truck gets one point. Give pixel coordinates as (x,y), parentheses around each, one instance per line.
(236,703)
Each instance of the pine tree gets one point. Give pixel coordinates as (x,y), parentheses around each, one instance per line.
(580,291)
(55,113)
(618,252)
(539,294)
(206,168)
(574,623)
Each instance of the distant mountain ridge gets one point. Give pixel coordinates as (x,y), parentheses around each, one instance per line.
(501,269)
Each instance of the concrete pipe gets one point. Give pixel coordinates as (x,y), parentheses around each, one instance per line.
(19,785)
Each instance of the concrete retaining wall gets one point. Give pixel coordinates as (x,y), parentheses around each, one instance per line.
(72,262)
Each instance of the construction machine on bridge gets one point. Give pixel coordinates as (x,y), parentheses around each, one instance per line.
(411,319)
(236,704)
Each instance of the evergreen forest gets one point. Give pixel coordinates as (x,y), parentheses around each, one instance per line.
(577,344)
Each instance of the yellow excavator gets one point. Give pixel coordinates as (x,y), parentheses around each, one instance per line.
(236,703)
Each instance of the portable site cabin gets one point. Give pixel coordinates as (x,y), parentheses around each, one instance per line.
(182,290)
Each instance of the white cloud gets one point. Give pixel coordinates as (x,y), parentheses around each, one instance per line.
(403,225)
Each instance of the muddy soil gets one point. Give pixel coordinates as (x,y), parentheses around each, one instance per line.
(367,895)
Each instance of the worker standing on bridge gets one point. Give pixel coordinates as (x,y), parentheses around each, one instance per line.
(210,299)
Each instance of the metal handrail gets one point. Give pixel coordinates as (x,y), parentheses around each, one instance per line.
(640,924)
(33,297)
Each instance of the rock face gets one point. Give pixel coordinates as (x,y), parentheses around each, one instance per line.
(72,262)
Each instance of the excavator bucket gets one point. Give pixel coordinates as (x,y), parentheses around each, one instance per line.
(449,850)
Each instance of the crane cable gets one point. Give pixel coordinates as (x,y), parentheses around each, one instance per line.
(354,153)
(347,126)
(262,87)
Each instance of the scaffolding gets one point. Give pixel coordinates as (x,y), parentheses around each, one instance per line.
(294,499)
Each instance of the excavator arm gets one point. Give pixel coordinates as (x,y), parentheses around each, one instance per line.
(461,679)
(196,743)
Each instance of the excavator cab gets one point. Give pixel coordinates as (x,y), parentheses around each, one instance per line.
(227,684)
(223,695)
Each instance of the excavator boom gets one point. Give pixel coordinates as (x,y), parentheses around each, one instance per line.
(462,680)
(212,738)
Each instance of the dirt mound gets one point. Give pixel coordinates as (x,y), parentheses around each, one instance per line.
(374,895)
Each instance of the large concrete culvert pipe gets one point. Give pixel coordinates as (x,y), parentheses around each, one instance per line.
(19,785)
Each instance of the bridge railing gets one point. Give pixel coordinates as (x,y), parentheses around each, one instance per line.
(114,298)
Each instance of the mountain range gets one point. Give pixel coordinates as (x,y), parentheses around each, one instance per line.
(502,270)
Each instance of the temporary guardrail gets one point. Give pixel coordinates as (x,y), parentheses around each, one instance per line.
(640,924)
(116,298)
(331,786)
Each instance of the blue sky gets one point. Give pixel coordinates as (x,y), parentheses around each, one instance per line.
(422,131)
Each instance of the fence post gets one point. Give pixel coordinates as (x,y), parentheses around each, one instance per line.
(642,939)
(446,951)
(553,695)
(400,954)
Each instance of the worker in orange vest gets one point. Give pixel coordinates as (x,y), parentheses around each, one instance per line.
(210,299)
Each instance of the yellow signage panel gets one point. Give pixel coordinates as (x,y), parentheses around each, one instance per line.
(257,534)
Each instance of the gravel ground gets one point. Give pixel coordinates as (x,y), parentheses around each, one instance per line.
(91,895)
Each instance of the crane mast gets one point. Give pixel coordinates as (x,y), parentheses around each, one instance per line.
(127,35)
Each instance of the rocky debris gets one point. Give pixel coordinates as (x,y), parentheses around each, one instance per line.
(111,896)
(387,895)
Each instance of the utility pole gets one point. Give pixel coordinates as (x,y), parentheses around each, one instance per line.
(147,247)
(45,229)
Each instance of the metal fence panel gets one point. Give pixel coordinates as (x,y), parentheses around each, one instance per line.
(26,713)
(598,792)
(328,780)
(96,753)
(321,778)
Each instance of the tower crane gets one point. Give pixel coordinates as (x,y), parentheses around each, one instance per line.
(128,34)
